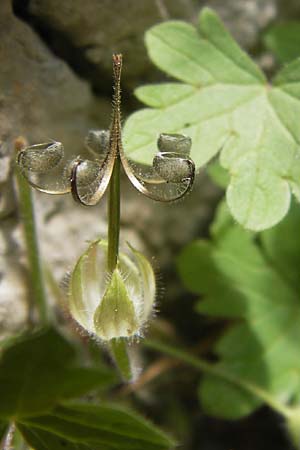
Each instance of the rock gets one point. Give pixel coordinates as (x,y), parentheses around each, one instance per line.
(14,305)
(99,28)
(246,19)
(40,98)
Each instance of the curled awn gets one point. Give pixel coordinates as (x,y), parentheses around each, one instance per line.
(48,170)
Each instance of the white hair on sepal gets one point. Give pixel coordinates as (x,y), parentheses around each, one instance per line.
(160,287)
(64,283)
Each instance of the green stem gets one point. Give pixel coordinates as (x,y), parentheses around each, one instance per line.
(212,369)
(119,350)
(118,346)
(33,255)
(114,217)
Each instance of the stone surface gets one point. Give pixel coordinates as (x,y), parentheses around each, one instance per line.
(99,28)
(14,306)
(246,19)
(40,98)
(93,29)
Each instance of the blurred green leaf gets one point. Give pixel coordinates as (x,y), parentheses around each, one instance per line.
(39,370)
(223,219)
(18,442)
(90,427)
(225,104)
(284,41)
(282,246)
(218,174)
(257,283)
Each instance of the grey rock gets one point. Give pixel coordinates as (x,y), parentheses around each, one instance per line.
(245,19)
(40,96)
(14,305)
(101,27)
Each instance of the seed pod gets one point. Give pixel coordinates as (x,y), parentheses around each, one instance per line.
(172,173)
(174,143)
(43,166)
(172,167)
(112,305)
(41,157)
(97,141)
(89,180)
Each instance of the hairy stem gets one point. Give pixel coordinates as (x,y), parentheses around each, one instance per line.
(114,217)
(120,353)
(118,346)
(28,218)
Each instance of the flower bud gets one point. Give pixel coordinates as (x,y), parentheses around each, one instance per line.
(112,305)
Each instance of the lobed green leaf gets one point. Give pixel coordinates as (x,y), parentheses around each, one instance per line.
(284,41)
(226,106)
(257,284)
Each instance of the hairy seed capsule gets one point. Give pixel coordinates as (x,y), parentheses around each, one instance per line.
(41,158)
(97,141)
(87,173)
(171,167)
(112,305)
(174,143)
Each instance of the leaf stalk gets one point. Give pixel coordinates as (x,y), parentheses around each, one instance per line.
(30,233)
(212,369)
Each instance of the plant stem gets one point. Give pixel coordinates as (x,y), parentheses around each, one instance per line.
(212,369)
(33,255)
(118,347)
(120,353)
(114,217)
(114,184)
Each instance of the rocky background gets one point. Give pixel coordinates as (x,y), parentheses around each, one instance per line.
(55,80)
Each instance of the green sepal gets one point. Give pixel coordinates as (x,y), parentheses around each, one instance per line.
(116,315)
